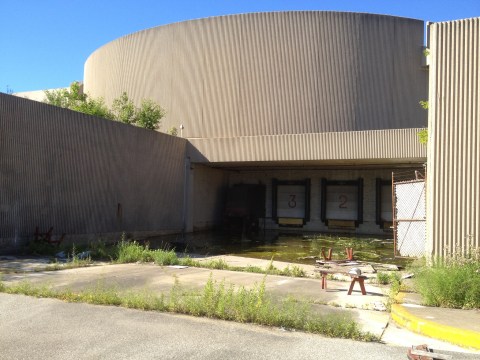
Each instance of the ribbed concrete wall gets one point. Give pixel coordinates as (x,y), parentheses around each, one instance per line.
(383,146)
(453,197)
(271,73)
(84,175)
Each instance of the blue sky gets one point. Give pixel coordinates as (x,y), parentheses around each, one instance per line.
(44,44)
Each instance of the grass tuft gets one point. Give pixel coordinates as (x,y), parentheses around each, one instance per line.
(385,278)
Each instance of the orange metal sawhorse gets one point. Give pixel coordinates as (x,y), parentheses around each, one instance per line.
(355,278)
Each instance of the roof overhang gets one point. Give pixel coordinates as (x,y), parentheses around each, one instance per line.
(374,148)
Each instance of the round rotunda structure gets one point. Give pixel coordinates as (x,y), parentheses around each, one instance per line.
(271,73)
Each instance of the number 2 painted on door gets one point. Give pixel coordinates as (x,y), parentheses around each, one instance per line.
(343,202)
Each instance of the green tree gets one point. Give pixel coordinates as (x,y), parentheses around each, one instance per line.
(73,98)
(124,109)
(148,115)
(94,107)
(63,97)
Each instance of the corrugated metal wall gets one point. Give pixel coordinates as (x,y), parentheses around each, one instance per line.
(453,197)
(84,175)
(385,146)
(271,73)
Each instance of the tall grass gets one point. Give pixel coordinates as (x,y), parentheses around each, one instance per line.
(216,300)
(127,251)
(452,281)
(385,278)
(131,251)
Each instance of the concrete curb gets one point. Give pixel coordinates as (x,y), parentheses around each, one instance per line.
(461,337)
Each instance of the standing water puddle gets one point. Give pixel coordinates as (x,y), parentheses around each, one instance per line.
(294,248)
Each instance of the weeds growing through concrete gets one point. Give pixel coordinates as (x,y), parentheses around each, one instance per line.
(126,251)
(216,300)
(385,278)
(72,264)
(131,251)
(74,260)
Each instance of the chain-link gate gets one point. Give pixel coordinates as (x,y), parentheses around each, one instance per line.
(409,213)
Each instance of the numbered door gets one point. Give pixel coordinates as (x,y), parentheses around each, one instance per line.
(291,201)
(342,202)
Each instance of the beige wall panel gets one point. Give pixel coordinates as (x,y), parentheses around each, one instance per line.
(271,73)
(453,197)
(400,145)
(186,66)
(71,171)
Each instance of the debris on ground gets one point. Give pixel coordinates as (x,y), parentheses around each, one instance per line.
(84,255)
(379,306)
(61,255)
(423,352)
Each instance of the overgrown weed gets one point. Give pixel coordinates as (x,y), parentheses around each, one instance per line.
(131,251)
(216,300)
(385,278)
(452,281)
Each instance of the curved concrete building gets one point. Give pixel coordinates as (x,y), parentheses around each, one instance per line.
(307,111)
(271,73)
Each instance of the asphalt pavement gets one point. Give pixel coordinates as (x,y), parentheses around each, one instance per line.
(51,329)
(367,310)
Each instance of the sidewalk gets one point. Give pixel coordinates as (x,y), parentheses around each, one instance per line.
(460,327)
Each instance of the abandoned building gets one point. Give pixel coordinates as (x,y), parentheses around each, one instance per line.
(285,120)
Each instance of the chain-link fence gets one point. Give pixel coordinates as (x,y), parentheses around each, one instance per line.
(409,217)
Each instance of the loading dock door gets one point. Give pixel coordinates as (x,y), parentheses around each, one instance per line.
(342,202)
(291,202)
